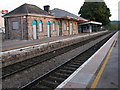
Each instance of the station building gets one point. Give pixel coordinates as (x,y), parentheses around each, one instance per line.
(29,22)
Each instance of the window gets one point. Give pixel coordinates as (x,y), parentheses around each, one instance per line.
(75,26)
(53,26)
(65,26)
(58,23)
(40,26)
(15,25)
(48,23)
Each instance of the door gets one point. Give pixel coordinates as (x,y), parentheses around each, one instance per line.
(48,29)
(35,31)
(58,28)
(71,28)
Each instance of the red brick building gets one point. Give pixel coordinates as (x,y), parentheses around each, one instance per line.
(29,22)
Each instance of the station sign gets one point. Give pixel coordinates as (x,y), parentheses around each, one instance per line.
(4,11)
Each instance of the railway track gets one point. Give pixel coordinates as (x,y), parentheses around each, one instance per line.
(56,76)
(12,69)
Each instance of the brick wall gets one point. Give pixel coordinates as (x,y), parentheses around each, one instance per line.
(25,30)
(75,27)
(44,32)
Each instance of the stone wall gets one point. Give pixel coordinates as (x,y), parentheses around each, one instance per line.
(13,33)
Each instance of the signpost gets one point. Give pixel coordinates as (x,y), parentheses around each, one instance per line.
(4,11)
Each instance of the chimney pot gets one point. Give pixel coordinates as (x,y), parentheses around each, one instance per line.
(47,8)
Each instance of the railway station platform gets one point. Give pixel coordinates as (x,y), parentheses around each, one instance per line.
(17,51)
(15,44)
(100,71)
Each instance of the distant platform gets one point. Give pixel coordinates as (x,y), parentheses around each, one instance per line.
(15,44)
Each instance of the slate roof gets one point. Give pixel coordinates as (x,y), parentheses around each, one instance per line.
(62,13)
(27,9)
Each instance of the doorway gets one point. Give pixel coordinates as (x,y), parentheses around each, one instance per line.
(71,28)
(35,31)
(48,29)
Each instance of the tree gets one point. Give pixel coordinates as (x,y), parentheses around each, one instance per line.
(114,25)
(95,11)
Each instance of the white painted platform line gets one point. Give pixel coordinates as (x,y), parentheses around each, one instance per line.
(80,71)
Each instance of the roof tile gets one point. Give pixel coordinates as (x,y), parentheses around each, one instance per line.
(27,9)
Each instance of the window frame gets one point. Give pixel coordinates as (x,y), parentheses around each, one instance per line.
(65,26)
(53,26)
(40,26)
(15,25)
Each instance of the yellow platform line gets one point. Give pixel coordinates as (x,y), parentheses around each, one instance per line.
(94,84)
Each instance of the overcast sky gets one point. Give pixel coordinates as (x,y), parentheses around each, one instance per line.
(72,6)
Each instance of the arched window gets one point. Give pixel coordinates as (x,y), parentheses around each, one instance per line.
(48,29)
(48,23)
(65,26)
(35,31)
(53,26)
(34,22)
(58,23)
(59,28)
(71,28)
(40,26)
(75,26)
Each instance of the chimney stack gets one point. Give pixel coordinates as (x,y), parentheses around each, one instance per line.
(47,8)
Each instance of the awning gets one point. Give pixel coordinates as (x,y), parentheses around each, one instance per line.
(91,22)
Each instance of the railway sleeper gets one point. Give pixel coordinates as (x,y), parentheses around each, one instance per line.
(72,65)
(58,78)
(75,63)
(65,71)
(55,79)
(62,75)
(51,84)
(41,87)
(80,62)
(69,68)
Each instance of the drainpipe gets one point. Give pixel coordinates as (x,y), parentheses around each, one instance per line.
(22,26)
(26,28)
